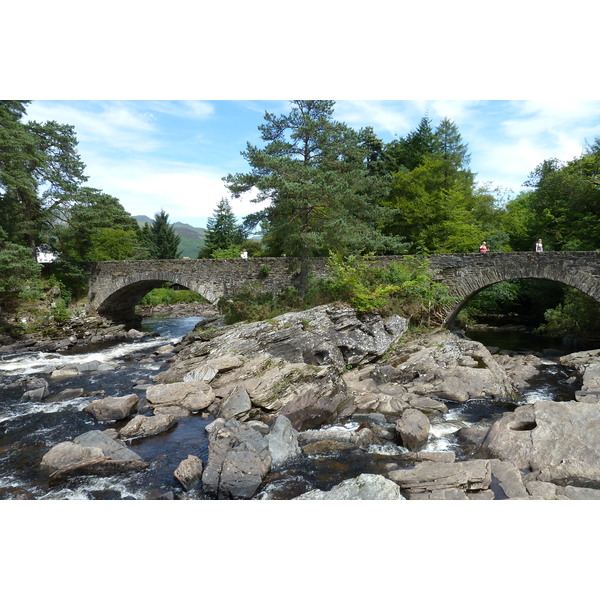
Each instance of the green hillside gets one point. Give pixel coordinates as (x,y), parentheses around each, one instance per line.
(191,238)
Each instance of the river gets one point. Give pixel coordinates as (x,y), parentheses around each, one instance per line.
(28,429)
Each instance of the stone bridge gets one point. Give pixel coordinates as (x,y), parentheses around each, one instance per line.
(117,286)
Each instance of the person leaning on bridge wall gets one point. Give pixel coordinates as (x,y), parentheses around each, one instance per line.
(244,254)
(483,248)
(538,246)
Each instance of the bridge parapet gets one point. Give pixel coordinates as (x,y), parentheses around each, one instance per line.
(117,286)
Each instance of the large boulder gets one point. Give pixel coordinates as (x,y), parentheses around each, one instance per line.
(283,441)
(238,460)
(194,395)
(92,453)
(189,472)
(448,367)
(112,408)
(428,477)
(289,365)
(142,426)
(363,487)
(558,441)
(413,429)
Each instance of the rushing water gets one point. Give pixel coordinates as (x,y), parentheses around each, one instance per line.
(28,429)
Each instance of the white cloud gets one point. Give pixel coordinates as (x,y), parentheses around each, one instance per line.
(188,193)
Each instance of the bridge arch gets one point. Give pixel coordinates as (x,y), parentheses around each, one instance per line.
(467,275)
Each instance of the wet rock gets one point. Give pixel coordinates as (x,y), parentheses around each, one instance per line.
(64,373)
(413,429)
(96,468)
(35,395)
(189,472)
(283,441)
(176,411)
(164,350)
(327,447)
(238,460)
(142,426)
(112,408)
(363,487)
(68,394)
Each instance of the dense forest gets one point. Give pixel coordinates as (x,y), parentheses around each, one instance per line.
(324,189)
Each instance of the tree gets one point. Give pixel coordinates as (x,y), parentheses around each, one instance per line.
(19,272)
(408,153)
(86,225)
(313,172)
(565,202)
(160,238)
(40,171)
(222,231)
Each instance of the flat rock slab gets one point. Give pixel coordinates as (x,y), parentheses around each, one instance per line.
(425,477)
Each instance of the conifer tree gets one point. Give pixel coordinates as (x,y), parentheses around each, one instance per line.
(222,230)
(160,238)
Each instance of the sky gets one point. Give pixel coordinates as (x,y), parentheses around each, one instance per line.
(173,154)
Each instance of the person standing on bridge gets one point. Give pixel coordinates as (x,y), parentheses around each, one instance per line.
(483,247)
(244,254)
(538,246)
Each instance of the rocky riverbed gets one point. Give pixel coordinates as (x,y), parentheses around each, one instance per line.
(326,382)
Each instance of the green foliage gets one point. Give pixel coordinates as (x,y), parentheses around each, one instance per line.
(167,295)
(315,174)
(97,227)
(407,288)
(19,273)
(577,315)
(222,232)
(160,238)
(40,171)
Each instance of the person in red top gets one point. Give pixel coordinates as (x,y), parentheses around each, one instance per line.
(483,247)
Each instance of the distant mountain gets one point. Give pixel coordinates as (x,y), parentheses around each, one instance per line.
(191,238)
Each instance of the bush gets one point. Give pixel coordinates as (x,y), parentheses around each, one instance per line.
(167,295)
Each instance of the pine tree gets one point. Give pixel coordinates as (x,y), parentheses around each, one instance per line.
(313,171)
(222,230)
(160,238)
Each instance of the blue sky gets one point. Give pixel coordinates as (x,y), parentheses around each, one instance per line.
(172,155)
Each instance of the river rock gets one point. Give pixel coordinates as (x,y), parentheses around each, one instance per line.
(65,373)
(107,443)
(96,468)
(35,395)
(363,487)
(195,396)
(66,454)
(520,368)
(452,368)
(413,429)
(236,405)
(189,472)
(68,394)
(283,441)
(112,408)
(238,460)
(558,441)
(426,477)
(143,426)
(291,364)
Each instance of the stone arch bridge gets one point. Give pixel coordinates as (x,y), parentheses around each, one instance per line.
(117,286)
